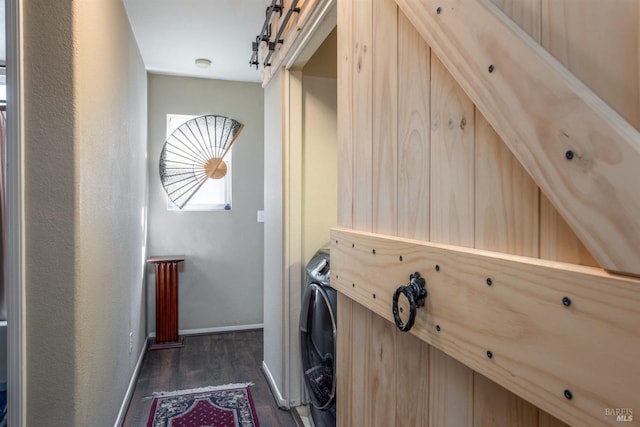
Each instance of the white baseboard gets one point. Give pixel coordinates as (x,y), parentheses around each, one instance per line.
(280,401)
(217,329)
(305,416)
(132,385)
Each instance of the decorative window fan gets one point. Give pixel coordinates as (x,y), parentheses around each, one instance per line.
(195,152)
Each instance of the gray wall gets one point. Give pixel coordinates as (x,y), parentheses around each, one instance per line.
(85,191)
(220,283)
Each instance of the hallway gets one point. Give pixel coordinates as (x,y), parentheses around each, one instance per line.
(213,359)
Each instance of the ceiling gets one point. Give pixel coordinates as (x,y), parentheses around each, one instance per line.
(172,34)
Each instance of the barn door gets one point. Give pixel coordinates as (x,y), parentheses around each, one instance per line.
(508,336)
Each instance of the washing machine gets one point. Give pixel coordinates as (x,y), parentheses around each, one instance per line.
(318,340)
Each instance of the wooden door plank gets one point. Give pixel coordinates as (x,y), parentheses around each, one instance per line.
(506,197)
(452,160)
(359,368)
(346,53)
(414,77)
(345,148)
(380,391)
(450,391)
(581,34)
(511,412)
(594,40)
(557,241)
(540,346)
(506,221)
(598,42)
(547,420)
(412,381)
(385,121)
(363,116)
(452,219)
(525,13)
(344,361)
(580,152)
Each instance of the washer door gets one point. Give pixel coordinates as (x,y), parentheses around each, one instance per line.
(318,346)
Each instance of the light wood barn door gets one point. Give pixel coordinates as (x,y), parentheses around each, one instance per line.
(419,160)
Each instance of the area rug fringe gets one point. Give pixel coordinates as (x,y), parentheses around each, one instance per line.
(199,390)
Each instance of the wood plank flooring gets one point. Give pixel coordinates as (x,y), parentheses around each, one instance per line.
(207,360)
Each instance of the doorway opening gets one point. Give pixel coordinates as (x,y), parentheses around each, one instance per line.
(319,147)
(310,198)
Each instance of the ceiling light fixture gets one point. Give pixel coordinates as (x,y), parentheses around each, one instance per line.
(203,63)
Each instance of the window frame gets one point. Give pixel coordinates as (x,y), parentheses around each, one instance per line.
(196,203)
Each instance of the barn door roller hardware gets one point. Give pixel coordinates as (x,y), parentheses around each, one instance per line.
(416,294)
(265,33)
(272,44)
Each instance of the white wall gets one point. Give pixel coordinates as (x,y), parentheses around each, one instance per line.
(273,261)
(220,282)
(85,193)
(320,146)
(320,163)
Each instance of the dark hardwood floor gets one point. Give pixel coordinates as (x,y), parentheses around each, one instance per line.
(207,360)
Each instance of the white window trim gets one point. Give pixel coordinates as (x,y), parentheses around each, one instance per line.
(173,122)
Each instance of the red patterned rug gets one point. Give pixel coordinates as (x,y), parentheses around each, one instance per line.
(222,406)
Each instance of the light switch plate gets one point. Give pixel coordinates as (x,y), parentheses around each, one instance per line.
(261,216)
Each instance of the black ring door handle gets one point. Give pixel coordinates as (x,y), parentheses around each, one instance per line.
(416,293)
